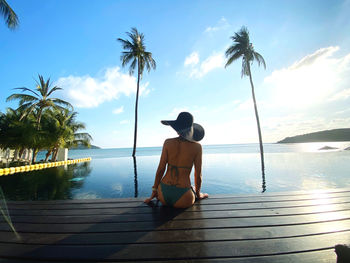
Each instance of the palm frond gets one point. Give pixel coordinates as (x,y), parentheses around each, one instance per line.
(134,51)
(132,66)
(59,107)
(126,58)
(27,110)
(233,57)
(243,48)
(259,58)
(29,90)
(245,68)
(9,15)
(126,44)
(23,97)
(53,90)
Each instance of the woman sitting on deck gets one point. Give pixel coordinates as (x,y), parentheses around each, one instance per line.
(180,154)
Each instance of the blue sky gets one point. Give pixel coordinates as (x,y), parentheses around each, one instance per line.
(305,87)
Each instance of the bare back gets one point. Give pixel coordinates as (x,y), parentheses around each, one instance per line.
(180,155)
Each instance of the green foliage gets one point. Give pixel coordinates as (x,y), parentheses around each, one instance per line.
(243,48)
(135,53)
(41,122)
(10,16)
(63,129)
(38,99)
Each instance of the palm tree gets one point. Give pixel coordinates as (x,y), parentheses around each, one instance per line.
(9,15)
(37,101)
(243,48)
(64,130)
(136,54)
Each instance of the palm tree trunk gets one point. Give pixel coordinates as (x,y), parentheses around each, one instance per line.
(35,150)
(48,155)
(35,153)
(136,107)
(54,154)
(258,124)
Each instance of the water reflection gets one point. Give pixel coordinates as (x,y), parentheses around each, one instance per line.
(135,178)
(263,182)
(48,184)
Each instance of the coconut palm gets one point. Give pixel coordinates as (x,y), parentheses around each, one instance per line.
(135,53)
(242,48)
(38,100)
(64,130)
(9,15)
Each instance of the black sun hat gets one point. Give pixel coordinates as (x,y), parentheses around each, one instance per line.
(185,127)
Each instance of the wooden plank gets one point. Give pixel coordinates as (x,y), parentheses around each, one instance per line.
(251,228)
(154,210)
(227,234)
(179,224)
(210,201)
(181,251)
(319,256)
(291,194)
(167,214)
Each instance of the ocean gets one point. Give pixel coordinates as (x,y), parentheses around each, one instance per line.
(227,169)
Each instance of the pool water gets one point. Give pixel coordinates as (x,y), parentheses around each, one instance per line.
(225,171)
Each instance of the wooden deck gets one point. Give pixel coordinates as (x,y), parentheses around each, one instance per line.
(280,227)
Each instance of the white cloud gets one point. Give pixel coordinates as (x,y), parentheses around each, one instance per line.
(322,53)
(213,62)
(88,92)
(341,95)
(310,95)
(118,110)
(221,24)
(310,81)
(192,59)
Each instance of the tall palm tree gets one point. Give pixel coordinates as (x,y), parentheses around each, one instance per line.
(38,100)
(136,54)
(242,48)
(9,15)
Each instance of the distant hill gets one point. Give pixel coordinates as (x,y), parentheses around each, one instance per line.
(82,147)
(336,135)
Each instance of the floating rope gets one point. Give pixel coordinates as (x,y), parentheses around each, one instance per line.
(39,166)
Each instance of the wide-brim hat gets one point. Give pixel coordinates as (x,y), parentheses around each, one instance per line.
(185,127)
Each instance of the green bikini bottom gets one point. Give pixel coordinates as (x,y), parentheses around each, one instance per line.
(172,193)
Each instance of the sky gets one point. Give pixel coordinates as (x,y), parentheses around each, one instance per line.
(304,88)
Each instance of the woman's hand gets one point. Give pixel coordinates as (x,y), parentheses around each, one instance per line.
(153,195)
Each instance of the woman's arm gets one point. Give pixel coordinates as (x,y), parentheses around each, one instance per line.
(198,174)
(160,172)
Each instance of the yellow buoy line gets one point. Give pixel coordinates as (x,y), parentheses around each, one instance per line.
(39,166)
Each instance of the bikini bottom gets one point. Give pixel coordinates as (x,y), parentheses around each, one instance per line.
(172,193)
